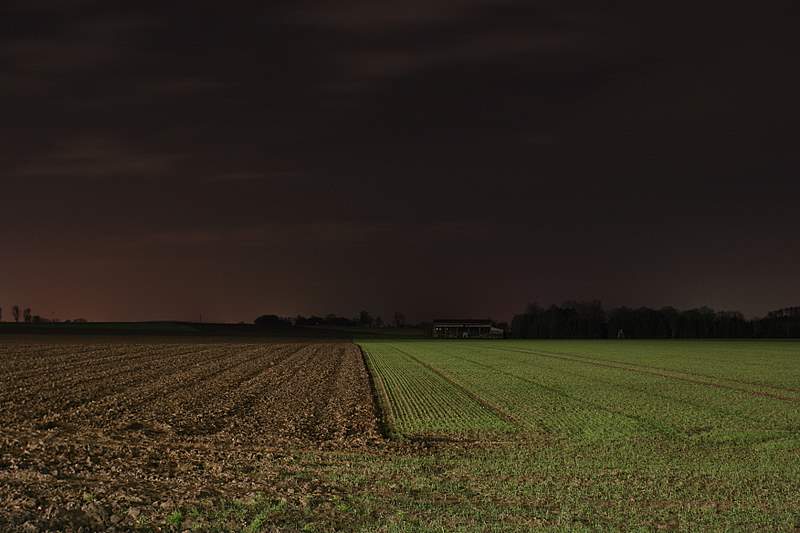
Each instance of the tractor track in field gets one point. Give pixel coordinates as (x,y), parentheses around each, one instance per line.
(593,405)
(169,426)
(667,398)
(685,372)
(589,361)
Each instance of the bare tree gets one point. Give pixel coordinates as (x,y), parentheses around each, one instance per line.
(399,319)
(26,315)
(15,313)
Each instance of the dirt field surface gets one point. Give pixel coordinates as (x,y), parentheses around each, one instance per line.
(113,436)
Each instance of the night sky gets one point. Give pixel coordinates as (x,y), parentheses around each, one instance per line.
(437,157)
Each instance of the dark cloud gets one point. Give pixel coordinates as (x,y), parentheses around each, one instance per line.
(459,156)
(383,15)
(96,158)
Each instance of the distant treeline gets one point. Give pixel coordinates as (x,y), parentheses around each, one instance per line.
(589,320)
(364,320)
(26,316)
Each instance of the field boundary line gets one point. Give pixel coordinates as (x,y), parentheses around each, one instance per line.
(495,409)
(589,361)
(380,398)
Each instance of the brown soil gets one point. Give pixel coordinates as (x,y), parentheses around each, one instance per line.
(101,436)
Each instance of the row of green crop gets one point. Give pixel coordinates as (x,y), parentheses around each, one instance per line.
(422,402)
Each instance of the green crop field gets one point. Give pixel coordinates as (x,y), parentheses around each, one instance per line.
(591,435)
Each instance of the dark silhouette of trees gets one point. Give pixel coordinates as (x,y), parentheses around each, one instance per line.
(300,320)
(333,320)
(266,321)
(364,319)
(26,315)
(783,323)
(576,320)
(15,313)
(589,320)
(328,320)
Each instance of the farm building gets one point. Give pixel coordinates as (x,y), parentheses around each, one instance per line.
(466,329)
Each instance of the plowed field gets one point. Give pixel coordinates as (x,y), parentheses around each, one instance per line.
(106,436)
